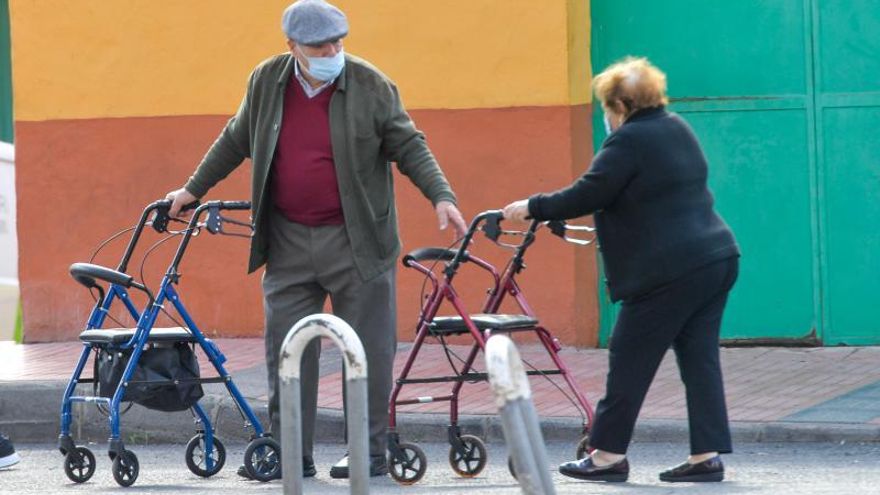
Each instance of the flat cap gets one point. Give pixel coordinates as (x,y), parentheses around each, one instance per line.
(313,22)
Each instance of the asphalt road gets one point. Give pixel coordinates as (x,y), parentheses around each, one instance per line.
(768,468)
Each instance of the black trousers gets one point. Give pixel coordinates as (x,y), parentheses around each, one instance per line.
(685,315)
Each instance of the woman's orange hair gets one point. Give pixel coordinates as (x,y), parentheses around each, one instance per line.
(634,82)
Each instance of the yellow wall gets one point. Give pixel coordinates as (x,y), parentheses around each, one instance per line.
(100,58)
(579,70)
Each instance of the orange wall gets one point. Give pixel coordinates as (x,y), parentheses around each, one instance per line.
(120,116)
(81,180)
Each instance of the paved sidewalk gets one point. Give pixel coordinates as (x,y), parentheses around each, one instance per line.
(815,394)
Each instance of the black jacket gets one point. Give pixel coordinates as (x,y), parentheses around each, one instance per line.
(653,210)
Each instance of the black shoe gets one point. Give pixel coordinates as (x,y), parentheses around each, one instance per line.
(584,469)
(8,457)
(308,469)
(710,470)
(378,467)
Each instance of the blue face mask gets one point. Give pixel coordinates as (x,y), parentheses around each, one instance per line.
(326,68)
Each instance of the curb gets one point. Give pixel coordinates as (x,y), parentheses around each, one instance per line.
(29,412)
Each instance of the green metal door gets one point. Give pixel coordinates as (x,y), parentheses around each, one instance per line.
(848,119)
(5,75)
(742,74)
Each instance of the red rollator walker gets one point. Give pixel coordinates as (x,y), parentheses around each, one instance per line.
(467,453)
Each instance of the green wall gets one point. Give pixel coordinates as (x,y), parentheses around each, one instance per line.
(847,80)
(784,97)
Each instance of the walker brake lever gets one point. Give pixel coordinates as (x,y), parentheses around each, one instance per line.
(161,217)
(559,228)
(492,227)
(214,223)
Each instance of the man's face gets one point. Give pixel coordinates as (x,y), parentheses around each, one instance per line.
(302,51)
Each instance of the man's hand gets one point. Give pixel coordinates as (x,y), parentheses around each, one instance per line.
(447,212)
(518,211)
(179,198)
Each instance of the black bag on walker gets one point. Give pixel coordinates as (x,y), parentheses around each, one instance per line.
(158,362)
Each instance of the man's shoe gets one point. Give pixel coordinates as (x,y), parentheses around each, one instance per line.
(8,457)
(710,470)
(378,467)
(584,469)
(308,469)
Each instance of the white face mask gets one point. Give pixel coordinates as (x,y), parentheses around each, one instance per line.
(608,129)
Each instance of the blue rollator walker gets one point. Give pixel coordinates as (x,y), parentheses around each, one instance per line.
(156,367)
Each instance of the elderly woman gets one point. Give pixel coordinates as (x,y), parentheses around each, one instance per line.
(669,258)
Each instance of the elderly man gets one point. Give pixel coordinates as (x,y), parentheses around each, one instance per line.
(321,128)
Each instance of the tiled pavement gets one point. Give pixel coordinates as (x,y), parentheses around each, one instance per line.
(815,385)
(48,362)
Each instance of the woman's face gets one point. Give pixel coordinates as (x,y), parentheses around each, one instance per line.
(613,118)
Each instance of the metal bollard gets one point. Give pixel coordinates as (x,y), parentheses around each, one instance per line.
(519,420)
(337,330)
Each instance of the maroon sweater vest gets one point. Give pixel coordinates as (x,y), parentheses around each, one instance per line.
(304,187)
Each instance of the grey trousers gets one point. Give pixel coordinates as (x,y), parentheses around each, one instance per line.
(305,266)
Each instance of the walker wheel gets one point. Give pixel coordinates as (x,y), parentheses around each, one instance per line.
(409,465)
(262,459)
(125,468)
(79,464)
(197,458)
(583,448)
(471,460)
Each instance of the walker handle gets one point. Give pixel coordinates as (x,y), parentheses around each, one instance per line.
(460,255)
(162,217)
(235,205)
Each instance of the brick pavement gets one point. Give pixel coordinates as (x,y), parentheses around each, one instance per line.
(762,384)
(55,361)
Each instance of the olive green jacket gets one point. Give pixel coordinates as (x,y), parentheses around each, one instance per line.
(369,129)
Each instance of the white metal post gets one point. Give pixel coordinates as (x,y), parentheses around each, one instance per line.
(9,291)
(337,330)
(525,443)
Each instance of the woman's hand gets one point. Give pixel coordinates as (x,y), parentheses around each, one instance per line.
(518,211)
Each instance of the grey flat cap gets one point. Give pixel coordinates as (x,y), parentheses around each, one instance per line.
(313,22)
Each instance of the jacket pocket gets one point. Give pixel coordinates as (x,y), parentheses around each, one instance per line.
(385,229)
(378,189)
